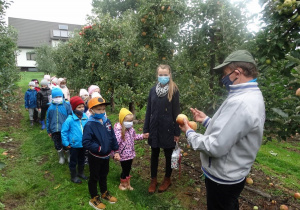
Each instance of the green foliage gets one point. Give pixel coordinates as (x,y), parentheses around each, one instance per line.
(9,74)
(44,59)
(115,8)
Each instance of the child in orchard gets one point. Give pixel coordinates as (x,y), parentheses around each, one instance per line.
(56,116)
(85,97)
(99,138)
(65,89)
(92,89)
(43,97)
(71,135)
(126,136)
(30,101)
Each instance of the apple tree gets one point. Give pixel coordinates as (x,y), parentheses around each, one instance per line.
(277,41)
(9,74)
(212,31)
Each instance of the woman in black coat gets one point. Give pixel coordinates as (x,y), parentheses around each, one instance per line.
(160,123)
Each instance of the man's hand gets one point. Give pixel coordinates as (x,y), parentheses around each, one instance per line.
(185,126)
(198,115)
(117,156)
(176,139)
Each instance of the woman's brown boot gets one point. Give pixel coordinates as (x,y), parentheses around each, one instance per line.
(164,186)
(152,186)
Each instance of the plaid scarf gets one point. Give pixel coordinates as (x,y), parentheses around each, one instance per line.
(162,91)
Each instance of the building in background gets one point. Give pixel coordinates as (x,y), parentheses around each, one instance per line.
(35,33)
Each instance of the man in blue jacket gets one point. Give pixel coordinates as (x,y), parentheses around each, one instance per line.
(56,115)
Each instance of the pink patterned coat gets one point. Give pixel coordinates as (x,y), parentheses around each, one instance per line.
(126,148)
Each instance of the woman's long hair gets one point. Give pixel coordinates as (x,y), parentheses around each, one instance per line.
(172,85)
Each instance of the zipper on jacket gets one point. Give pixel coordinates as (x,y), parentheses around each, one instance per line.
(81,126)
(56,117)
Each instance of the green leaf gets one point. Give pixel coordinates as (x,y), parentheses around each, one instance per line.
(280,112)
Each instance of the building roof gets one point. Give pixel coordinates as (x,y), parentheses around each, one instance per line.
(34,33)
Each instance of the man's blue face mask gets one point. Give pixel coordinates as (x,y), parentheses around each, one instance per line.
(226,81)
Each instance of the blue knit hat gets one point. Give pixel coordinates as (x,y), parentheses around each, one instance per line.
(57,92)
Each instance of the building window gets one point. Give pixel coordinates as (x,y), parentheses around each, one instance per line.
(64,34)
(61,33)
(63,27)
(56,33)
(30,56)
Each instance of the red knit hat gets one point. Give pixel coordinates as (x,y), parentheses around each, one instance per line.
(75,101)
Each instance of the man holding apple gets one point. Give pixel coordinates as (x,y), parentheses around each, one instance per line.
(233,135)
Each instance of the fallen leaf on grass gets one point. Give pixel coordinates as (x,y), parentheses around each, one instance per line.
(56,187)
(12,156)
(198,189)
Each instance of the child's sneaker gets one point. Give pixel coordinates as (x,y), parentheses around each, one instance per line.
(96,203)
(108,197)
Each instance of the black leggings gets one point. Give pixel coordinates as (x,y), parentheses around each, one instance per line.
(154,161)
(43,112)
(126,167)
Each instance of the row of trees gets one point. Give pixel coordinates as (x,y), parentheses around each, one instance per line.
(9,73)
(121,47)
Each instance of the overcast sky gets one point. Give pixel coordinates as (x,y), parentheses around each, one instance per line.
(72,11)
(63,11)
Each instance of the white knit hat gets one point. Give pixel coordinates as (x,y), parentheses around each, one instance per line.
(47,77)
(32,84)
(96,94)
(83,92)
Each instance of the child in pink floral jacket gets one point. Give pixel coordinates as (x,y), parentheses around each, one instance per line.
(126,136)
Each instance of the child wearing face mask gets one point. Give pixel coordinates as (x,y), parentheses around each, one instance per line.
(100,140)
(85,97)
(56,115)
(71,135)
(63,86)
(42,101)
(30,101)
(126,136)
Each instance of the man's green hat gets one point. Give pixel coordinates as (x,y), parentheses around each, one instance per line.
(237,56)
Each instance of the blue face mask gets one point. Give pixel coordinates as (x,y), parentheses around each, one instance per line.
(163,79)
(100,116)
(226,81)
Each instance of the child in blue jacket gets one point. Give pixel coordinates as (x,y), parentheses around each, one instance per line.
(99,138)
(56,115)
(71,135)
(30,101)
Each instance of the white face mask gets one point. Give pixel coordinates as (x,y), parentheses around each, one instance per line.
(57,100)
(128,124)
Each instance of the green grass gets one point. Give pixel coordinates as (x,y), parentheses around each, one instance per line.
(34,180)
(285,166)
